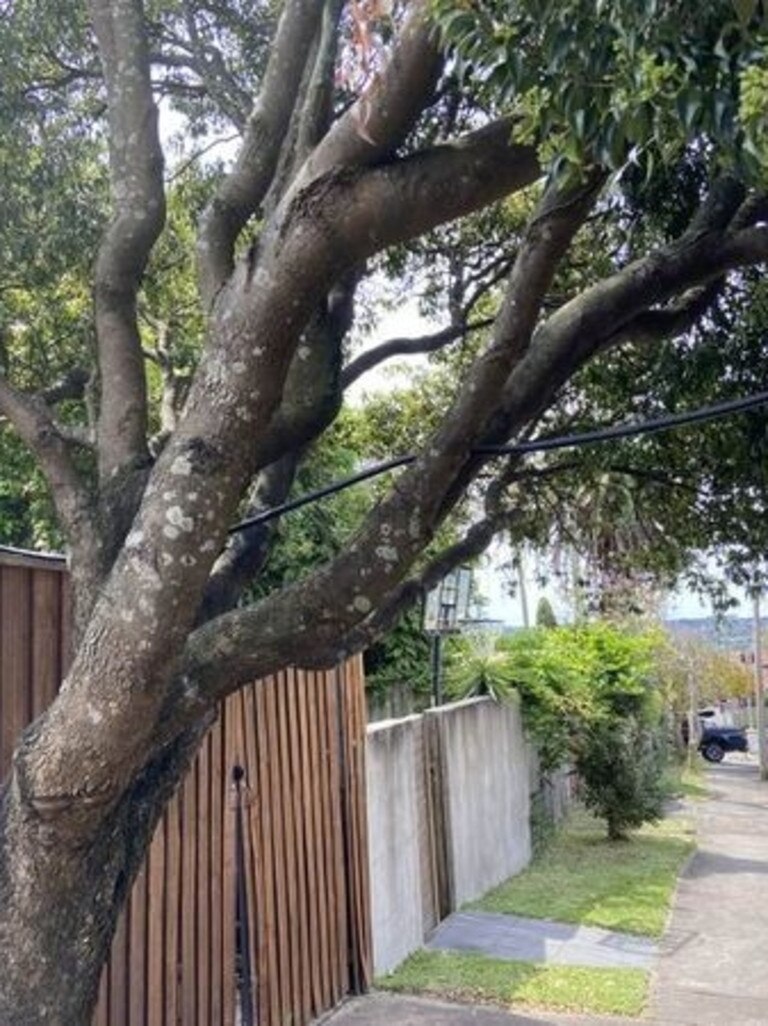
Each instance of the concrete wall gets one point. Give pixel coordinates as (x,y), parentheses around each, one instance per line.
(486,771)
(473,820)
(394,766)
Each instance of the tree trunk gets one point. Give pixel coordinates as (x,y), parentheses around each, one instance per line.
(61,892)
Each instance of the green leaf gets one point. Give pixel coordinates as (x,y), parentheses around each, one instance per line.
(689,107)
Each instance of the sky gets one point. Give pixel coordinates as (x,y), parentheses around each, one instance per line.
(493,584)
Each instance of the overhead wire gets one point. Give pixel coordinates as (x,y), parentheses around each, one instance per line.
(628,429)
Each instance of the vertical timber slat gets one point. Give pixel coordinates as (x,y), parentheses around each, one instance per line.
(228,714)
(138,950)
(118,969)
(189,897)
(15,653)
(155,920)
(203,898)
(217,792)
(172,896)
(269,990)
(301,956)
(291,924)
(252,843)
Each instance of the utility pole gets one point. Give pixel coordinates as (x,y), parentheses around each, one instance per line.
(759,684)
(523,588)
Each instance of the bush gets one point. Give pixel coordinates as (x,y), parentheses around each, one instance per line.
(621,764)
(590,694)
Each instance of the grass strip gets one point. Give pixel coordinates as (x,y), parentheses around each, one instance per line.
(688,781)
(583,878)
(476,978)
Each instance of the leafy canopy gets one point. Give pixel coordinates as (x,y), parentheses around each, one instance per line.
(648,77)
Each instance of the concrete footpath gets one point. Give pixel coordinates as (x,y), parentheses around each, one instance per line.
(713,965)
(714,968)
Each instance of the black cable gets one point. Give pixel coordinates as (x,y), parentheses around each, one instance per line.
(643,427)
(321,493)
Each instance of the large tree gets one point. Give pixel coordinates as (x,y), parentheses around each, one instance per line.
(361,130)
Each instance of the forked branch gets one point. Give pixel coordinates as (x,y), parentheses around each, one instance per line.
(242,191)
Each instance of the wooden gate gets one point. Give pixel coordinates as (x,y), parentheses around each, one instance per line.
(253,903)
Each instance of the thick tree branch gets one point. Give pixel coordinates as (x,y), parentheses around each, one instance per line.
(37,429)
(241,192)
(607,310)
(658,324)
(313,109)
(373,128)
(476,540)
(332,227)
(315,613)
(311,400)
(371,358)
(247,551)
(315,114)
(136,172)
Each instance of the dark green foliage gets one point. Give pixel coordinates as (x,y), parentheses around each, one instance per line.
(401,658)
(591,695)
(543,827)
(315,533)
(545,615)
(618,81)
(621,763)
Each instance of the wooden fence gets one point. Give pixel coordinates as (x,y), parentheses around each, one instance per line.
(34,640)
(253,903)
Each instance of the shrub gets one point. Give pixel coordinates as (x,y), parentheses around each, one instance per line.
(621,764)
(589,694)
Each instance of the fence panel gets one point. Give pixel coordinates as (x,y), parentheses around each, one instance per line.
(34,617)
(273,810)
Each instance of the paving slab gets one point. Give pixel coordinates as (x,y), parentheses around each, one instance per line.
(541,940)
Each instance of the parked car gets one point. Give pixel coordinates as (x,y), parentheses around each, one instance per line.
(715,716)
(716,741)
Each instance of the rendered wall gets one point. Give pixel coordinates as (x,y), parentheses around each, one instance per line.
(394,762)
(486,773)
(448,816)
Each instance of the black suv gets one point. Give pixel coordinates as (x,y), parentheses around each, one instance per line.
(716,741)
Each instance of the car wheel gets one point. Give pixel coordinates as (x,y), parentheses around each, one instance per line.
(713,752)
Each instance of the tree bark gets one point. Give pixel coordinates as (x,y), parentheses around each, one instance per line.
(92,775)
(60,901)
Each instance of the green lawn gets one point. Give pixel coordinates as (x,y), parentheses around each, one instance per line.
(689,781)
(582,878)
(475,978)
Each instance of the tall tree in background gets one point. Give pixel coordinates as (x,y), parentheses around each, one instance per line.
(363,128)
